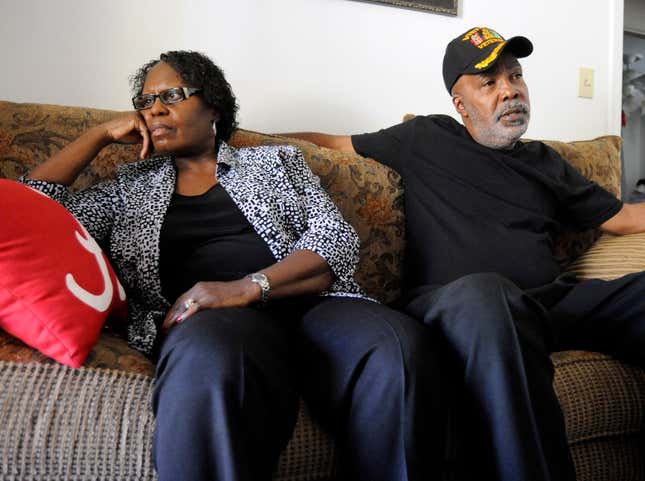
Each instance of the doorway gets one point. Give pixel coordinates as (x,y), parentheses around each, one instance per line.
(633,130)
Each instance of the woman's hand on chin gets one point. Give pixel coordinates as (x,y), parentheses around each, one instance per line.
(129,128)
(211,295)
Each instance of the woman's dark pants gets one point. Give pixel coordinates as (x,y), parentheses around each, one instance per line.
(226,397)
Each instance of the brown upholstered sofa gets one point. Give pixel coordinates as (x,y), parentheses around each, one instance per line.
(95,423)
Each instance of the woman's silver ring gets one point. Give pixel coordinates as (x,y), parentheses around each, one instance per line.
(191,303)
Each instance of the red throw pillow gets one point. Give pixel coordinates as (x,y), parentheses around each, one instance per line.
(56,285)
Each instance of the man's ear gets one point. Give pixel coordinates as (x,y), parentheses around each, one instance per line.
(459,105)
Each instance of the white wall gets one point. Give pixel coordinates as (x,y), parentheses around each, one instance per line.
(328,65)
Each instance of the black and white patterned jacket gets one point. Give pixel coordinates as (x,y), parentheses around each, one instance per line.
(272,185)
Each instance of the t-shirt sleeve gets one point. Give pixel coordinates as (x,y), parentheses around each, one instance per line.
(584,203)
(384,145)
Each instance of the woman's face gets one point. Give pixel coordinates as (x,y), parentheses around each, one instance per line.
(183,129)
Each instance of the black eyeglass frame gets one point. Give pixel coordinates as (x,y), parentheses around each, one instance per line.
(186,91)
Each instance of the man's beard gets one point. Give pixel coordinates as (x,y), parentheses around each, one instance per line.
(496,135)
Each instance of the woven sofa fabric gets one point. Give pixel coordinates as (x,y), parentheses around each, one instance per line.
(94,424)
(610,459)
(84,424)
(310,454)
(600,397)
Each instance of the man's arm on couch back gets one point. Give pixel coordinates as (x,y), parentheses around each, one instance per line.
(336,142)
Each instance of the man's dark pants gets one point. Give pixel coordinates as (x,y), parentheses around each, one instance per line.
(501,337)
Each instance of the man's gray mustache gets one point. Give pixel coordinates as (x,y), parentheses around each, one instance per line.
(519,107)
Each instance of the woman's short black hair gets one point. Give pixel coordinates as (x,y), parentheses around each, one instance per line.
(199,71)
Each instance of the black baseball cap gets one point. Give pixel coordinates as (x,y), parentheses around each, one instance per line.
(477,50)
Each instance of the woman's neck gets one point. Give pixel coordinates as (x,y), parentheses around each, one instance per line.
(197,161)
(195,175)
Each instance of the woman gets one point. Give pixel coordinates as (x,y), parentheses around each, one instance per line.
(209,241)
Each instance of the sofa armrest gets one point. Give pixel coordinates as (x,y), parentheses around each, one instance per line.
(611,257)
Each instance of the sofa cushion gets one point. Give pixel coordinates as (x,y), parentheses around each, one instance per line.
(56,285)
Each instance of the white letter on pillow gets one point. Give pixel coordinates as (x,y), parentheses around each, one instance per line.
(102,301)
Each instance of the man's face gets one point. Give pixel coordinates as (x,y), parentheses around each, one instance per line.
(494,105)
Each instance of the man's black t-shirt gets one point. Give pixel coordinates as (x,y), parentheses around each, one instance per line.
(473,209)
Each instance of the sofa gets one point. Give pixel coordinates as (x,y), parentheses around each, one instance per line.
(95,422)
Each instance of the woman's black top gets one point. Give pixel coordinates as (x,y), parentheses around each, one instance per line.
(207,238)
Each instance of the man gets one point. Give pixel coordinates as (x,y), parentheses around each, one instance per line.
(482,210)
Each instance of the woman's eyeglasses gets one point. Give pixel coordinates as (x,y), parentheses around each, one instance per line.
(167,97)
